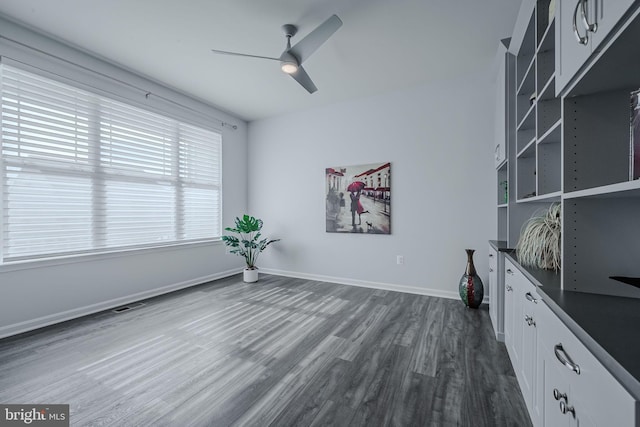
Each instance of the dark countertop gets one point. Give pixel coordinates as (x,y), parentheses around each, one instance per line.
(499,245)
(606,325)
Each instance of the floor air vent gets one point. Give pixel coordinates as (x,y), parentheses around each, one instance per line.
(128,307)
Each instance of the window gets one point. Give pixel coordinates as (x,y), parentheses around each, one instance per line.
(84,173)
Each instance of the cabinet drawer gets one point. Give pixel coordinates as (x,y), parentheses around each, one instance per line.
(520,284)
(529,295)
(512,276)
(595,393)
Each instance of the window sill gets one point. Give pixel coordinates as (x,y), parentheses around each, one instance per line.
(90,257)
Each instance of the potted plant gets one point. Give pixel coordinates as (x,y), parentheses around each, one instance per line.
(540,243)
(247,244)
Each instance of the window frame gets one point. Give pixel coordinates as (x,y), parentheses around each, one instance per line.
(173,113)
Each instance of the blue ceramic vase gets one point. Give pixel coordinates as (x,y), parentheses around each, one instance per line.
(471,287)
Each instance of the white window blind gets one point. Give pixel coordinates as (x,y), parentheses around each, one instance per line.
(84,173)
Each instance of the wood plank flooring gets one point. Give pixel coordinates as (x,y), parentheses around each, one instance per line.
(282,352)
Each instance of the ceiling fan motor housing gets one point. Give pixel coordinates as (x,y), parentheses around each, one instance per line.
(290,30)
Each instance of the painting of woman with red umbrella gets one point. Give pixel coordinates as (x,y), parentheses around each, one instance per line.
(369,190)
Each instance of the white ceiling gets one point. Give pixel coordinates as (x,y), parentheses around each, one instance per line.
(383,45)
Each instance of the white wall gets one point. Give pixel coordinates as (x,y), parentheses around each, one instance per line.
(33,295)
(437,139)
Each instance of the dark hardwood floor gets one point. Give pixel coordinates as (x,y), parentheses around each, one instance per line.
(282,352)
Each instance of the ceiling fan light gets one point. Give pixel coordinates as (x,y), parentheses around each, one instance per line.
(289,67)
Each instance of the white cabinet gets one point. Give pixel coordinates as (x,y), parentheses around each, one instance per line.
(521,304)
(512,312)
(573,43)
(555,389)
(530,301)
(561,381)
(508,315)
(607,14)
(577,389)
(581,27)
(496,292)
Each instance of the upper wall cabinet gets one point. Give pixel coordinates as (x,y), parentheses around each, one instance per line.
(607,14)
(573,45)
(581,27)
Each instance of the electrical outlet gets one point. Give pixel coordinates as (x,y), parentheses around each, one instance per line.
(400,259)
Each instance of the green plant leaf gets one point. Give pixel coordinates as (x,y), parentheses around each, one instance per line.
(248,243)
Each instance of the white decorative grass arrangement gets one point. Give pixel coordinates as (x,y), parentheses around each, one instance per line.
(539,243)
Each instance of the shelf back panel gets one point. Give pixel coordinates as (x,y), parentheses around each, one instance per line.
(601,240)
(596,140)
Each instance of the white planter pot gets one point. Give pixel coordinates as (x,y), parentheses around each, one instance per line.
(250,276)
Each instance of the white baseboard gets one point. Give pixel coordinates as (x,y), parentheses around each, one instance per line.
(51,319)
(365,284)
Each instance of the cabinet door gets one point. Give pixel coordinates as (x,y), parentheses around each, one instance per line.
(509,303)
(493,289)
(556,389)
(593,395)
(538,387)
(555,379)
(608,13)
(585,421)
(528,355)
(518,327)
(570,54)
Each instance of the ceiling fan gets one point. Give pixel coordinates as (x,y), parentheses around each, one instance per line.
(292,58)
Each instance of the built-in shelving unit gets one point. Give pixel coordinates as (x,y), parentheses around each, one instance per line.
(571,144)
(534,126)
(504,135)
(601,202)
(538,145)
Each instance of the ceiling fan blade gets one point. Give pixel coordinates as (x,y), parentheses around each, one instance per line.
(303,78)
(224,52)
(305,47)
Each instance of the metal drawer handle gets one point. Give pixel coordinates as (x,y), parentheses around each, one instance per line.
(530,297)
(509,271)
(529,320)
(589,27)
(564,408)
(564,358)
(582,40)
(557,395)
(509,288)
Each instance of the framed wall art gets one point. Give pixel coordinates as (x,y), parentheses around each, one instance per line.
(358,198)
